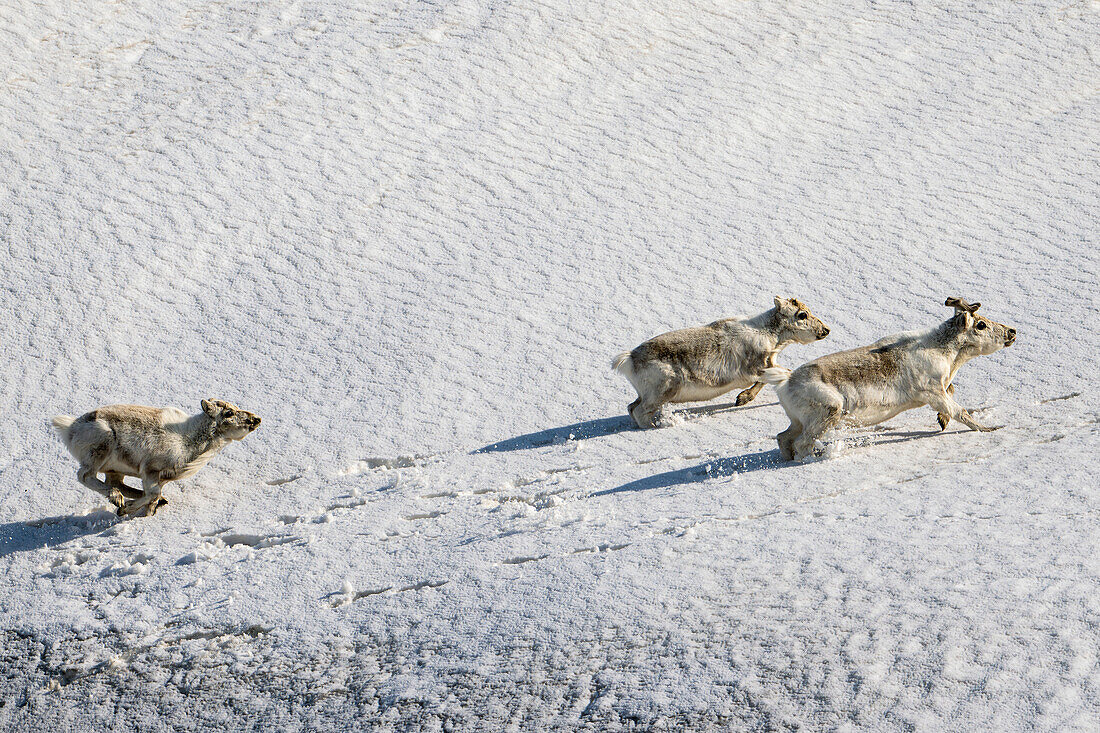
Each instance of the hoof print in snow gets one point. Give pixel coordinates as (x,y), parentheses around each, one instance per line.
(423,515)
(524,559)
(404,461)
(347,595)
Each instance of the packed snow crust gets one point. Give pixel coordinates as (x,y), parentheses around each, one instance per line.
(412,235)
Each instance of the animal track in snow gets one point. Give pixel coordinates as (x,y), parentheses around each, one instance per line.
(544,475)
(565,469)
(441,495)
(224,538)
(347,598)
(602,547)
(424,584)
(348,595)
(402,461)
(134,565)
(423,515)
(1069,396)
(66,563)
(524,559)
(540,501)
(255,541)
(355,503)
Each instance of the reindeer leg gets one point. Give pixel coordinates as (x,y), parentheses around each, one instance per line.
(655,386)
(150,500)
(826,418)
(943,404)
(115,480)
(942,417)
(749,394)
(646,414)
(87,476)
(964,417)
(786,439)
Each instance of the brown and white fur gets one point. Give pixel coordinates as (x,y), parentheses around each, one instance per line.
(701,363)
(156,444)
(871,384)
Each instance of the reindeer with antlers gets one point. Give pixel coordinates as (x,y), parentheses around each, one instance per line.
(869,385)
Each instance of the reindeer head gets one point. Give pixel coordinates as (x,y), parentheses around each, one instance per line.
(978,332)
(230,421)
(796,323)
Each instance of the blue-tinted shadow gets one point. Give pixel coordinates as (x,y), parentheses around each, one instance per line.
(711,469)
(552,436)
(597,428)
(18,537)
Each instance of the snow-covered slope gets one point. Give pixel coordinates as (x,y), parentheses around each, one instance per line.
(410,236)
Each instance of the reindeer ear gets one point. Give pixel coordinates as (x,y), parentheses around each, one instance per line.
(211,408)
(778,302)
(963,320)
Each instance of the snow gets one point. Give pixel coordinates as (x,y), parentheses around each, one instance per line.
(411,237)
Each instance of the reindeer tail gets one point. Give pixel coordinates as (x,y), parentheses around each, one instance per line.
(623,364)
(62,423)
(776,376)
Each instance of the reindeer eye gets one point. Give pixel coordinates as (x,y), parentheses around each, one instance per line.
(801,315)
(980,326)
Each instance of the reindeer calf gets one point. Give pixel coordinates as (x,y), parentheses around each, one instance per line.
(701,363)
(869,385)
(156,444)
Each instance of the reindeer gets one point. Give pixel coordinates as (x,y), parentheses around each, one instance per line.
(701,363)
(871,384)
(157,444)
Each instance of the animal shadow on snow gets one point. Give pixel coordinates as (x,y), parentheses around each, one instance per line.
(907,435)
(18,537)
(595,429)
(767,459)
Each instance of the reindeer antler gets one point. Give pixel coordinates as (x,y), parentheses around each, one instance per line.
(961,305)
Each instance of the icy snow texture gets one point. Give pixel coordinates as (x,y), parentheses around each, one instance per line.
(406,232)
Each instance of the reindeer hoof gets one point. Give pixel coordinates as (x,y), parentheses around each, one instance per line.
(942,420)
(743,399)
